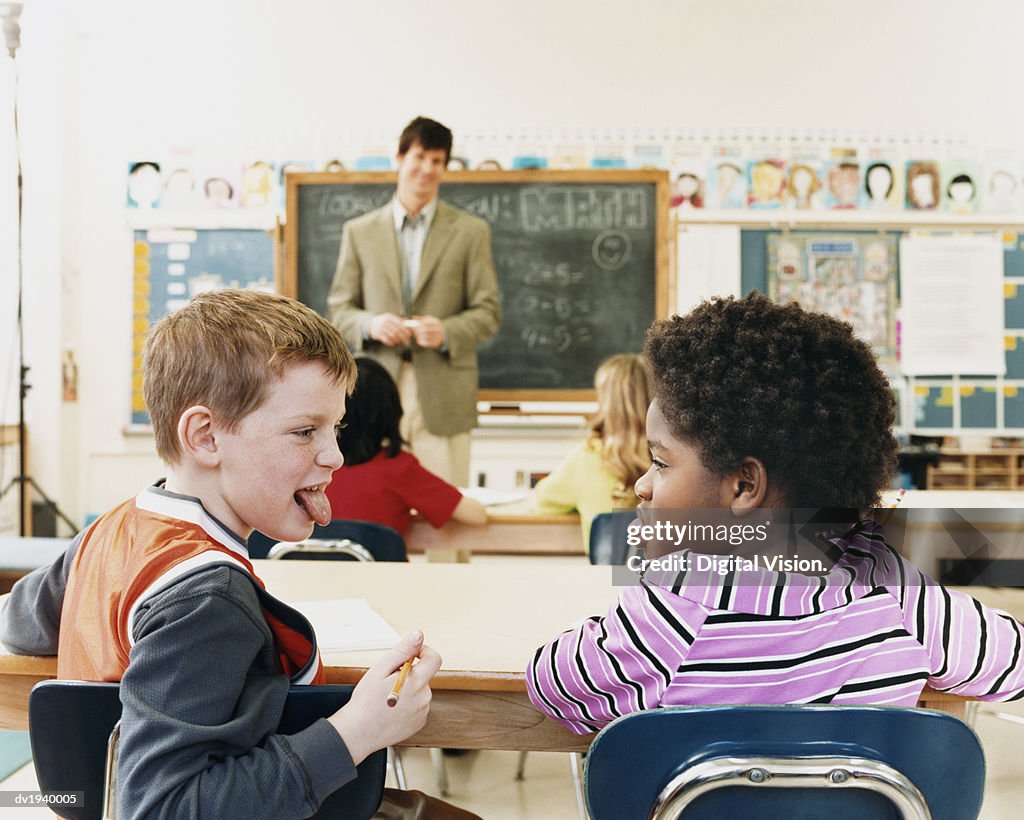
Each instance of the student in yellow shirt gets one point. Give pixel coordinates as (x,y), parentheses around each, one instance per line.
(598,476)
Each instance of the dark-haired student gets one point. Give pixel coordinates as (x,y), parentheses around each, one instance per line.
(757,408)
(380,481)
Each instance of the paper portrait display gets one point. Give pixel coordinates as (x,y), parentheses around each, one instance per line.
(608,155)
(725,185)
(608,150)
(179,191)
(1002,187)
(851,277)
(648,154)
(144,185)
(529,150)
(961,187)
(281,171)
(923,185)
(883,184)
(568,154)
(804,185)
(687,175)
(258,185)
(530,161)
(766,181)
(219,185)
(842,183)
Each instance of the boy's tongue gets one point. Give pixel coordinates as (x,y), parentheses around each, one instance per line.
(316,505)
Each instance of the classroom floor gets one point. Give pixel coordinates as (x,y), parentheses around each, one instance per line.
(485,783)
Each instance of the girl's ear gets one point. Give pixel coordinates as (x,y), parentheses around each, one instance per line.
(747,486)
(196,436)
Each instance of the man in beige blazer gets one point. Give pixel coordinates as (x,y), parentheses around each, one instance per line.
(416,289)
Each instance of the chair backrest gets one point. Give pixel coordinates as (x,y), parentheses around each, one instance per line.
(382,542)
(725,762)
(71,722)
(313,550)
(608,537)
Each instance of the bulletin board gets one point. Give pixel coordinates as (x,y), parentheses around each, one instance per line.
(173,265)
(851,277)
(942,403)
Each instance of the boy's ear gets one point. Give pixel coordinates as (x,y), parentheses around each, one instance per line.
(196,436)
(747,486)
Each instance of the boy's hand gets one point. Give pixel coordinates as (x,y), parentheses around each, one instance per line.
(366,723)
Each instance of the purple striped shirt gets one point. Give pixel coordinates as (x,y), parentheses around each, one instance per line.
(875,630)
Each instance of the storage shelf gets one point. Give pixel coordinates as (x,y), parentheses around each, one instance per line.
(977,470)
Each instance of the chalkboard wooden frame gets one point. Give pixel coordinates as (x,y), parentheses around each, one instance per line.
(290,286)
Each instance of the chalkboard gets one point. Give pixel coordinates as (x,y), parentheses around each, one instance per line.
(581,258)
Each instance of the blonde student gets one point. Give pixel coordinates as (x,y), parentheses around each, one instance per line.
(766,414)
(598,475)
(245,390)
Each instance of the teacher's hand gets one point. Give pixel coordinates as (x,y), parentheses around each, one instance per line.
(389,329)
(429,331)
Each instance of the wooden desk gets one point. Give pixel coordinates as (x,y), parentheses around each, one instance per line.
(485,619)
(511,530)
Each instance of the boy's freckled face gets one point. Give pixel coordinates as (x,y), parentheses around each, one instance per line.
(285,446)
(676,479)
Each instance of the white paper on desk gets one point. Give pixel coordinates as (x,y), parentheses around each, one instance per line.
(347,624)
(493,498)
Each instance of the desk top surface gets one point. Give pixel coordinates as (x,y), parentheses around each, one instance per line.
(483,618)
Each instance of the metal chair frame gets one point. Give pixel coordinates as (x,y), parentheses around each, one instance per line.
(344,549)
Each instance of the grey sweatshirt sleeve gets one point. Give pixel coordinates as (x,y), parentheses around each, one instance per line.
(202,698)
(30,620)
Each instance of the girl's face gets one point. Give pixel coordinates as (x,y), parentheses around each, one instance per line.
(676,479)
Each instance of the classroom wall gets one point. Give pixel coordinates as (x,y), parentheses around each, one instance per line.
(109,81)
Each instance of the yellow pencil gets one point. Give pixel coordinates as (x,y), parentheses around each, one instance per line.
(899,498)
(403,673)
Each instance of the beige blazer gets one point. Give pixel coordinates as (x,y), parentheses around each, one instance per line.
(456,283)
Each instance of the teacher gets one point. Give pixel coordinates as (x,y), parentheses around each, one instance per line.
(415,288)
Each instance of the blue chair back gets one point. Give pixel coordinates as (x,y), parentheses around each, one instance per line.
(382,542)
(608,537)
(723,762)
(70,724)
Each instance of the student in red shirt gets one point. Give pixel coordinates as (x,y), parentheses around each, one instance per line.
(380,481)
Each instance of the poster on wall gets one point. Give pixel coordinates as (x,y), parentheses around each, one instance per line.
(173,265)
(953,305)
(849,276)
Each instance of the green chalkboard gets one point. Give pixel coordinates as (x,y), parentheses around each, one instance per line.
(581,257)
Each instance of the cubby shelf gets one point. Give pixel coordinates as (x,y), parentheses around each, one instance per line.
(977,470)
